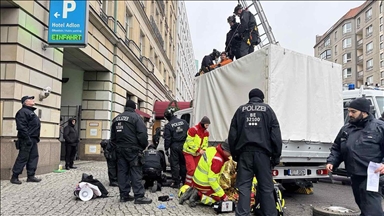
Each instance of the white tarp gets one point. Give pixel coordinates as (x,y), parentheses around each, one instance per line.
(305,92)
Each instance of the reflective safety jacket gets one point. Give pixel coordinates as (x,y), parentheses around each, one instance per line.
(207,174)
(197,139)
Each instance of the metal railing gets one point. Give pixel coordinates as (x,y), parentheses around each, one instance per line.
(161,6)
(157,32)
(360,42)
(360,74)
(103,16)
(360,58)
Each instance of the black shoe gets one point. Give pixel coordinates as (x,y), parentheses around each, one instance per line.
(193,198)
(15,180)
(72,167)
(154,187)
(67,168)
(114,184)
(143,200)
(186,195)
(126,199)
(33,179)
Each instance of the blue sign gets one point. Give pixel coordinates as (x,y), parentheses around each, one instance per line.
(68,23)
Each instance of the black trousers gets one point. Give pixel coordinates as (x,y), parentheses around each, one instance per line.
(259,164)
(28,156)
(243,50)
(369,202)
(130,173)
(112,167)
(150,175)
(70,153)
(177,160)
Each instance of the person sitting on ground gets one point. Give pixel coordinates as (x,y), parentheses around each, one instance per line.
(224,60)
(206,179)
(154,163)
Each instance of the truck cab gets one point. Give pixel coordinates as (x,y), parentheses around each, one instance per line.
(374,95)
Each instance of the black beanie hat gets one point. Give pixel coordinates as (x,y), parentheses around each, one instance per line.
(205,120)
(256,93)
(131,104)
(360,104)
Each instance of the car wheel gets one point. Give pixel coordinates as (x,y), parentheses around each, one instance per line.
(334,211)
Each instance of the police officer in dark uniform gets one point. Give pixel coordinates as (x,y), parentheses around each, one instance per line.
(232,43)
(175,134)
(109,150)
(28,135)
(255,143)
(129,133)
(153,167)
(247,31)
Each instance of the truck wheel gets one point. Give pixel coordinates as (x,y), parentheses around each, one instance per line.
(334,211)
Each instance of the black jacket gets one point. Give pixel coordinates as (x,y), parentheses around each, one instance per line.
(153,159)
(254,127)
(247,22)
(129,131)
(71,136)
(357,145)
(232,42)
(175,133)
(28,124)
(207,61)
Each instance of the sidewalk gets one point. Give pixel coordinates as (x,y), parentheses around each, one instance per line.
(53,196)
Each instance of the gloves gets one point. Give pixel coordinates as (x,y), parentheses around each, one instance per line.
(167,153)
(218,65)
(275,161)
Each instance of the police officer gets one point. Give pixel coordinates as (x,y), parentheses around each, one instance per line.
(153,167)
(359,142)
(255,143)
(233,41)
(71,137)
(110,155)
(129,133)
(28,135)
(247,31)
(175,134)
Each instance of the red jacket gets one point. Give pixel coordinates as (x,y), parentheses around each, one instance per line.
(197,139)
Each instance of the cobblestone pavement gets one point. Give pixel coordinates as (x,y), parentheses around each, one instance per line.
(54,196)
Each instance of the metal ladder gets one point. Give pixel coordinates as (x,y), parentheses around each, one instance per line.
(265,30)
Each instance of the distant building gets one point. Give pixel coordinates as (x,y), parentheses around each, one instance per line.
(356,42)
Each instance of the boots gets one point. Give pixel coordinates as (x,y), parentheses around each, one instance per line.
(33,179)
(126,199)
(15,180)
(194,198)
(186,195)
(143,200)
(114,184)
(154,187)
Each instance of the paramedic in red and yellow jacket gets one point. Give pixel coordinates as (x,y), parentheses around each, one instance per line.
(194,146)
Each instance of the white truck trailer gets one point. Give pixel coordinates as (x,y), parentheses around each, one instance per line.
(305,93)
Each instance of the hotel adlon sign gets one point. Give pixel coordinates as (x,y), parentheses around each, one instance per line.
(68,23)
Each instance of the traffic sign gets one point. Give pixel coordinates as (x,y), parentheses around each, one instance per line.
(68,23)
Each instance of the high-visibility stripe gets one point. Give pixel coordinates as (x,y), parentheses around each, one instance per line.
(218,158)
(188,176)
(200,182)
(217,189)
(202,170)
(212,179)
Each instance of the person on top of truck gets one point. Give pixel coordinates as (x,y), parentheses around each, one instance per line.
(357,144)
(255,142)
(247,31)
(206,179)
(195,146)
(175,134)
(208,61)
(224,60)
(232,43)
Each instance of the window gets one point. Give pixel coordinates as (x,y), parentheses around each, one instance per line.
(128,24)
(369,31)
(347,57)
(335,50)
(186,117)
(381,20)
(326,54)
(335,35)
(335,60)
(104,6)
(358,22)
(381,38)
(382,56)
(369,80)
(347,43)
(381,45)
(141,43)
(347,27)
(382,74)
(369,47)
(368,14)
(369,64)
(327,42)
(347,72)
(382,64)
(381,28)
(382,82)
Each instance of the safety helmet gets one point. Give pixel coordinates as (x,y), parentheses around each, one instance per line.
(231,19)
(169,112)
(182,190)
(238,7)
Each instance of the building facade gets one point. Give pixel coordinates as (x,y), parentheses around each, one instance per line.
(130,55)
(356,42)
(185,67)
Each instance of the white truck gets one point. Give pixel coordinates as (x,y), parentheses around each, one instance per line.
(305,93)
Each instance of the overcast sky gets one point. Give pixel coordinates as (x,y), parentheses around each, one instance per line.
(295,24)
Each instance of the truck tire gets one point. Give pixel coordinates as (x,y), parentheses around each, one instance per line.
(334,211)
